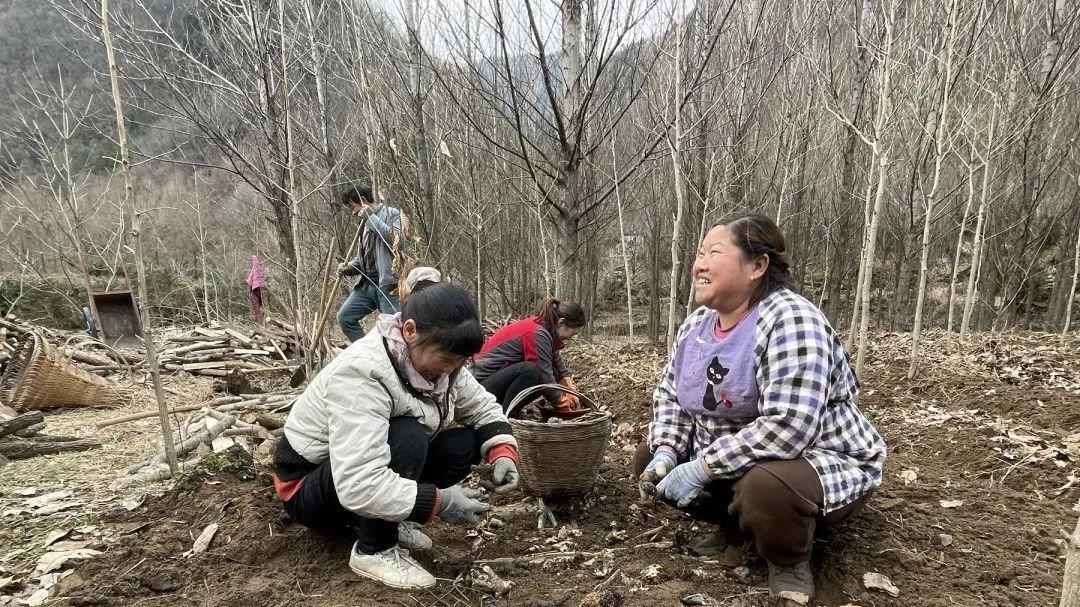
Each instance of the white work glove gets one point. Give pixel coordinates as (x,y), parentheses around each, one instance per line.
(505,475)
(457,506)
(663,461)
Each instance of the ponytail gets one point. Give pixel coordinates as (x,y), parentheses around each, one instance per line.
(551,310)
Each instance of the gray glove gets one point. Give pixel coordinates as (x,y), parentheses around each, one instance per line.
(505,474)
(342,268)
(458,506)
(663,461)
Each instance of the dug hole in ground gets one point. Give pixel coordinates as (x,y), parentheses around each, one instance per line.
(980,481)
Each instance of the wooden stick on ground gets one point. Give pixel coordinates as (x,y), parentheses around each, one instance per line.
(183,409)
(1070,587)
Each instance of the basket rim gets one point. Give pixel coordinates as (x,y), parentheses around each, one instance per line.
(601,417)
(34,344)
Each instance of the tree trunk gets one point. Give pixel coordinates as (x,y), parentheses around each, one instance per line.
(960,246)
(1072,290)
(622,241)
(871,242)
(129,202)
(939,157)
(977,239)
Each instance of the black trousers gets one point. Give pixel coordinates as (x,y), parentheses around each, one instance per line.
(443,461)
(506,383)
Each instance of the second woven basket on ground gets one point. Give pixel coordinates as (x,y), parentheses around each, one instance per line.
(39,377)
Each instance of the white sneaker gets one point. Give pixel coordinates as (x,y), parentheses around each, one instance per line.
(393,567)
(409,536)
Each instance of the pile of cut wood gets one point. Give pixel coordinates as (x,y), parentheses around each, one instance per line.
(21,438)
(217,350)
(212,350)
(251,422)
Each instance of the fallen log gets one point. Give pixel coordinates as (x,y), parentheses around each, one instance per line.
(156,472)
(30,431)
(270,422)
(16,448)
(21,422)
(189,445)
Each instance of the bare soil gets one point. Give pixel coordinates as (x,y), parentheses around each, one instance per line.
(983,448)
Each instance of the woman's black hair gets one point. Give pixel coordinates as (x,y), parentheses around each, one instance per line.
(445,317)
(551,310)
(756,236)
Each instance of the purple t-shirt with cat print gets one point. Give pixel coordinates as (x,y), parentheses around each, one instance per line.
(717,376)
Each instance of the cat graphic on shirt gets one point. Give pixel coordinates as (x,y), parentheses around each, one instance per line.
(715,375)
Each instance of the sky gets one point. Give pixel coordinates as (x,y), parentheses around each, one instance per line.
(443,22)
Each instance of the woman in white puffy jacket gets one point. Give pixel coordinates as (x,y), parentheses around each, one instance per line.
(368,448)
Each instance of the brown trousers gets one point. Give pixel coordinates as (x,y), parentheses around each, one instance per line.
(778,502)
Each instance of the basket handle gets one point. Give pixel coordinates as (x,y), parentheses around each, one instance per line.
(521,399)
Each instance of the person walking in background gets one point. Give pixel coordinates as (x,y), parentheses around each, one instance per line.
(376,289)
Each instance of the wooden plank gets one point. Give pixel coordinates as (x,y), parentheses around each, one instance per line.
(278,348)
(244,339)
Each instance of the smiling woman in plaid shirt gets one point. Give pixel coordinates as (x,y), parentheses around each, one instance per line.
(756,426)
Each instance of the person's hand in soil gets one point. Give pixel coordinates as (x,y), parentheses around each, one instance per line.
(458,506)
(504,475)
(685,484)
(663,461)
(574,401)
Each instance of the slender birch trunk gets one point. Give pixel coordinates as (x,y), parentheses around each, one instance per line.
(868,271)
(880,154)
(136,231)
(674,146)
(960,247)
(856,307)
(1072,290)
(977,239)
(289,183)
(939,157)
(622,239)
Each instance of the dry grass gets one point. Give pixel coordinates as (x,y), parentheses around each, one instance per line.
(86,475)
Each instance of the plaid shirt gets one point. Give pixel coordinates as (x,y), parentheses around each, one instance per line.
(807,406)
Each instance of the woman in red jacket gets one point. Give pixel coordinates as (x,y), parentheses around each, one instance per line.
(525,353)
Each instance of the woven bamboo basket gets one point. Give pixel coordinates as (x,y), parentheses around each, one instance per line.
(39,377)
(560,459)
